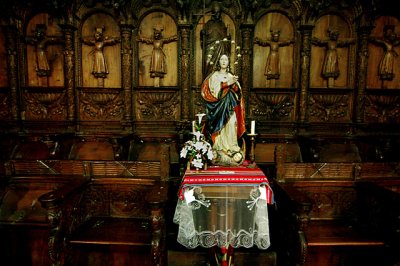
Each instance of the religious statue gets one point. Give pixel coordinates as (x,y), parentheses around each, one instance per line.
(99,41)
(330,69)
(215,39)
(222,94)
(389,41)
(158,66)
(41,41)
(273,66)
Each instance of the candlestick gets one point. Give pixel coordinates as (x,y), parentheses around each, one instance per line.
(253,127)
(193,126)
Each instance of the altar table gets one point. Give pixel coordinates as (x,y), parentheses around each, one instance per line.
(224,206)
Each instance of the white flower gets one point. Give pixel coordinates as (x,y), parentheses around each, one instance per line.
(210,154)
(198,135)
(198,145)
(197,163)
(184,152)
(200,117)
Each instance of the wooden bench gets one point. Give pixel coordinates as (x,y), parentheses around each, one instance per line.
(324,201)
(112,215)
(24,176)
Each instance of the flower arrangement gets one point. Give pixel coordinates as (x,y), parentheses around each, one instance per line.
(197,151)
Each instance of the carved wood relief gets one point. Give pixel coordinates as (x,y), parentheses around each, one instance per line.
(98,105)
(331,202)
(301,66)
(332,57)
(160,105)
(329,108)
(44,52)
(272,107)
(273,60)
(157,50)
(45,105)
(5,111)
(383,51)
(382,109)
(101,58)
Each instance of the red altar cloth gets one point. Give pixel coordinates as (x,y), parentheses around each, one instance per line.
(218,175)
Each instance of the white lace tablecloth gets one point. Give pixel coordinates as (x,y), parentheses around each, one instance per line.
(222,206)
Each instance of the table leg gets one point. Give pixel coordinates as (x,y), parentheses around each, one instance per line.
(222,256)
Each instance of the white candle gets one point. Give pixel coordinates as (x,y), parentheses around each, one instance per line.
(253,127)
(193,126)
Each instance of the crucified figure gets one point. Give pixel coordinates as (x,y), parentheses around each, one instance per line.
(273,65)
(330,69)
(158,65)
(389,41)
(99,67)
(41,41)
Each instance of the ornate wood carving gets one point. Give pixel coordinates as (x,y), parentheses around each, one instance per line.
(12,59)
(5,112)
(157,106)
(45,106)
(69,66)
(306,32)
(382,109)
(362,67)
(329,108)
(185,71)
(101,105)
(272,107)
(127,67)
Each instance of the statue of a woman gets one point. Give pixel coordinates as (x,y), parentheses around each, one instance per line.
(225,113)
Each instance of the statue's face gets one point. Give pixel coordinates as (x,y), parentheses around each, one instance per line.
(224,61)
(98,35)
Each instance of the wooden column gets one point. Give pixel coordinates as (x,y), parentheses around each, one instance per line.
(306,34)
(12,59)
(245,71)
(127,69)
(362,70)
(69,70)
(185,70)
